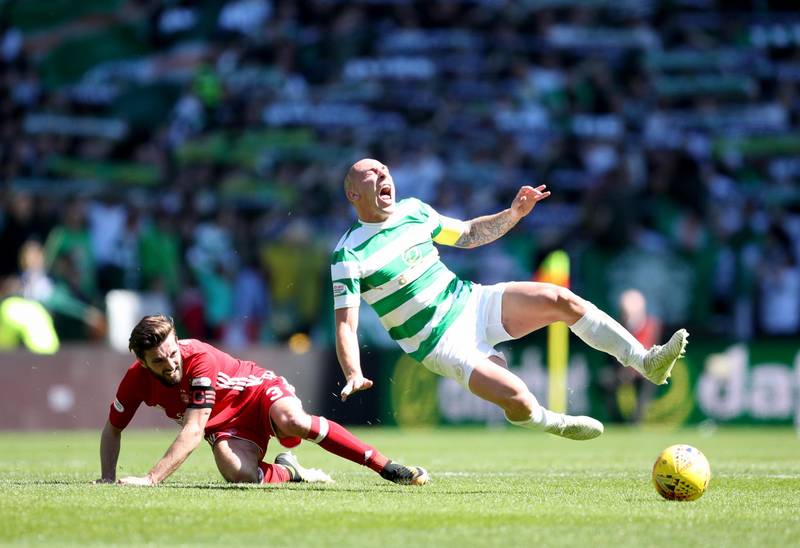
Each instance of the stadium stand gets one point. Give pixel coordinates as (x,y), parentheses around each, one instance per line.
(195,150)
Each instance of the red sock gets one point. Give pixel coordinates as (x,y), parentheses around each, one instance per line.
(273,473)
(335,438)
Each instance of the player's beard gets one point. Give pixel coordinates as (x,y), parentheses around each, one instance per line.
(168,381)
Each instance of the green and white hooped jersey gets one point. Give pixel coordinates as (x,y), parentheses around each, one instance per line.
(396,269)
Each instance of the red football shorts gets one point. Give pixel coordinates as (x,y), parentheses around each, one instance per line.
(253,423)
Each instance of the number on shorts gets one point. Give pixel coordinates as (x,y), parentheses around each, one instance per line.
(289,386)
(274,393)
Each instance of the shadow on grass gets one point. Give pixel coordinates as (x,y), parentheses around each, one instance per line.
(44,482)
(336,488)
(320,488)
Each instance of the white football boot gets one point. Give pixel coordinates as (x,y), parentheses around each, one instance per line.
(573,427)
(657,364)
(298,473)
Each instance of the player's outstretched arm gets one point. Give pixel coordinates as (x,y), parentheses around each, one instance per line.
(109,453)
(486,229)
(346,320)
(188,439)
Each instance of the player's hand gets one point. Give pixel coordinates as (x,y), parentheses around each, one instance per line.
(354,385)
(135,480)
(527,198)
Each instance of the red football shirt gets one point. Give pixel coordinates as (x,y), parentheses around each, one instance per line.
(211,379)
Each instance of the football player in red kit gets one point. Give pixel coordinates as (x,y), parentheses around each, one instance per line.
(235,404)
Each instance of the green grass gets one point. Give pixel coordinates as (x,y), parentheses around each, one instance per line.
(495,487)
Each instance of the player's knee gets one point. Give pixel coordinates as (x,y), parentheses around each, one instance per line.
(293,422)
(241,474)
(567,304)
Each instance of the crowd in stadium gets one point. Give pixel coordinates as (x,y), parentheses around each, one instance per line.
(196,150)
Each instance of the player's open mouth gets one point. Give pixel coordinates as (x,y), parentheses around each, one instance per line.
(385,195)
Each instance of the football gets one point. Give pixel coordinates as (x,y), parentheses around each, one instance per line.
(681,472)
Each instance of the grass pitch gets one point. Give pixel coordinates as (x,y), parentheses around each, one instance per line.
(504,487)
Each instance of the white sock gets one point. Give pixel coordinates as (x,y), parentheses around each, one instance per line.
(602,332)
(540,418)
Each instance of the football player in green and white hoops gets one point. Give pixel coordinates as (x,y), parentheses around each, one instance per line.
(388,259)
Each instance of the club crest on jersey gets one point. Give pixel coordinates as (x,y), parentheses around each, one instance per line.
(412,256)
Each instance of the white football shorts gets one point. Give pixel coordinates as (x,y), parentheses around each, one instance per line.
(472,336)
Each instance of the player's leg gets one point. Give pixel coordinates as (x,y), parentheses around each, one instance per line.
(239,461)
(290,420)
(492,381)
(528,306)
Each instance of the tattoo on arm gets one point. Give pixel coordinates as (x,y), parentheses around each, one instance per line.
(488,228)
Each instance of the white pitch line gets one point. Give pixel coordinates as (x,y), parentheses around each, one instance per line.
(598,475)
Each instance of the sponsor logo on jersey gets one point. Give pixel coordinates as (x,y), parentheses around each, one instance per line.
(339,289)
(201,382)
(118,406)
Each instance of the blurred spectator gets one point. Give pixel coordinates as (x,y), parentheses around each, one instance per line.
(779,286)
(128,251)
(18,224)
(297,267)
(160,254)
(35,284)
(68,249)
(214,262)
(419,174)
(74,318)
(191,311)
(24,322)
(251,306)
(216,287)
(108,220)
(245,16)
(627,392)
(188,118)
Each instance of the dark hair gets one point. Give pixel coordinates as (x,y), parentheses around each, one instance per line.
(149,333)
